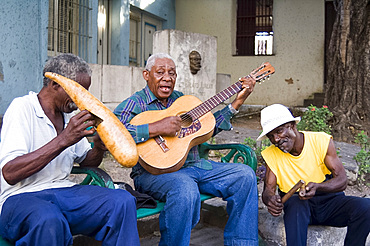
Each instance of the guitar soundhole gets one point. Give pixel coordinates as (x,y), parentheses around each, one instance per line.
(192,128)
(186,120)
(188,125)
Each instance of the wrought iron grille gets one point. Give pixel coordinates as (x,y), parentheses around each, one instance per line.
(254,27)
(69,27)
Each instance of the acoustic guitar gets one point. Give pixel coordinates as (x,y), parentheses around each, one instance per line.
(166,154)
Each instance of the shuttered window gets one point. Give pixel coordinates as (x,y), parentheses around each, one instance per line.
(135,46)
(254,34)
(68,27)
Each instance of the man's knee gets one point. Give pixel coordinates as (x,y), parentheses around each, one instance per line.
(248,173)
(295,206)
(242,171)
(244,178)
(47,216)
(187,193)
(364,210)
(48,222)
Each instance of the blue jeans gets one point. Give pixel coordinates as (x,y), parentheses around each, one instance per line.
(51,217)
(332,209)
(235,183)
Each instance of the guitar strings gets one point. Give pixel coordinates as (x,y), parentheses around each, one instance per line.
(212,102)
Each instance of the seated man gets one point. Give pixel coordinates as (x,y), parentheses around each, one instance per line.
(40,141)
(311,157)
(236,183)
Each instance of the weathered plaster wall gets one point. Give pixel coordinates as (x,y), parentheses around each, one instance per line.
(164,9)
(298,46)
(112,84)
(179,44)
(23,46)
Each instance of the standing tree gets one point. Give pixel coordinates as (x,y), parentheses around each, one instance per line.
(348,62)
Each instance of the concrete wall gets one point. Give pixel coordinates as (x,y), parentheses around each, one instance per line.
(298,46)
(112,84)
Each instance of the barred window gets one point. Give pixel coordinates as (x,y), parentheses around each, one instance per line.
(254,34)
(68,27)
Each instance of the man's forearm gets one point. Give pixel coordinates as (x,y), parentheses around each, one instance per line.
(26,165)
(335,184)
(93,158)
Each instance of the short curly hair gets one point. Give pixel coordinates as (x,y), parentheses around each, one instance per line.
(151,60)
(67,65)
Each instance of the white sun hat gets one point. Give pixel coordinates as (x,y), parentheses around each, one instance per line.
(273,116)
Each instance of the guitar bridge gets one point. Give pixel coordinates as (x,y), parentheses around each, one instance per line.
(162,143)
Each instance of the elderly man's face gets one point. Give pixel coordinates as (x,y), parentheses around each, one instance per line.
(283,137)
(65,102)
(161,78)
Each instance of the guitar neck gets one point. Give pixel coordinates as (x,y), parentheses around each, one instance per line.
(263,71)
(214,101)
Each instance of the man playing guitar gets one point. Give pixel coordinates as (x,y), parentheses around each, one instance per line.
(235,183)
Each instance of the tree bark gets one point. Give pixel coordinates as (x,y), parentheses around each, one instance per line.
(348,61)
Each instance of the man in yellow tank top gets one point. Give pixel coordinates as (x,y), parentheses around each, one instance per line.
(311,157)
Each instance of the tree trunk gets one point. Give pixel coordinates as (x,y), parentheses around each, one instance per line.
(348,61)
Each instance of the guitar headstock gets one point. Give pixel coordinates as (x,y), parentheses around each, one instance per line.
(262,72)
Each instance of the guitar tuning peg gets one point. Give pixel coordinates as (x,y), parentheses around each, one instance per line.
(268,78)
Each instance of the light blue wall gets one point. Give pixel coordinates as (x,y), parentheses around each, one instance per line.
(23,46)
(23,36)
(23,40)
(164,9)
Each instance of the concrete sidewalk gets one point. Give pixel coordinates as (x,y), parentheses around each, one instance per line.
(201,236)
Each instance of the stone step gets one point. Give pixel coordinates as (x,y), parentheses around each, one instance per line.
(317,100)
(271,229)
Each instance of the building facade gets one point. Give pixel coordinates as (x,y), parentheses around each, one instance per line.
(116,38)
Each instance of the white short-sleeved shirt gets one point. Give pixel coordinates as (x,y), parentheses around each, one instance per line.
(25,129)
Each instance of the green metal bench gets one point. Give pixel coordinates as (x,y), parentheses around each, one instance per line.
(235,153)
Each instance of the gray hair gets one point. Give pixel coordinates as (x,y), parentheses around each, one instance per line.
(67,65)
(151,60)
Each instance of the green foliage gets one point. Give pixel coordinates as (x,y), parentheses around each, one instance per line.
(215,153)
(363,157)
(315,119)
(257,147)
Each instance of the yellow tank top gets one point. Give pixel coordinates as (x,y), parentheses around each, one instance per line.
(308,166)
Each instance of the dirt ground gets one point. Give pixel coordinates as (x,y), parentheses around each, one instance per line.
(243,127)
